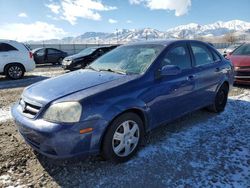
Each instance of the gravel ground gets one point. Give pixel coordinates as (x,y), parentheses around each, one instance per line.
(200,149)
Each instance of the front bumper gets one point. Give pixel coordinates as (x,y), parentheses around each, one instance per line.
(59,140)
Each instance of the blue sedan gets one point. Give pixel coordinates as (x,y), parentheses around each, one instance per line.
(108,107)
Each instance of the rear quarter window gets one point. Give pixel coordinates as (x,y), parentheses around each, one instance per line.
(216,56)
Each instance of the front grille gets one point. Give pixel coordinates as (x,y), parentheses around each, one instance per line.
(242,73)
(245,67)
(28,109)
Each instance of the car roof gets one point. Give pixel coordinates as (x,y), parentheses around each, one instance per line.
(36,49)
(163,42)
(8,41)
(107,46)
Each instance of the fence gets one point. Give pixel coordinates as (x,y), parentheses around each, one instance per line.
(75,48)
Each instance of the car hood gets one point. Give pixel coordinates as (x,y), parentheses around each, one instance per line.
(240,60)
(75,56)
(51,89)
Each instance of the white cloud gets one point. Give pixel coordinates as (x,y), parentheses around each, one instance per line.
(54,7)
(71,10)
(34,31)
(180,7)
(52,17)
(112,21)
(129,21)
(136,2)
(22,15)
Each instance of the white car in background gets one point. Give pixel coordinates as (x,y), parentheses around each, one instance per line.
(15,59)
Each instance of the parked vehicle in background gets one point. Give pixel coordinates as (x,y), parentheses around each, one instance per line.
(241,60)
(230,49)
(85,57)
(15,59)
(48,55)
(108,107)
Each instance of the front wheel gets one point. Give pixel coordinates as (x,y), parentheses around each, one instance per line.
(59,61)
(220,99)
(123,138)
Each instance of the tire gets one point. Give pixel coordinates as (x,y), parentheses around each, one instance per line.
(14,71)
(59,61)
(220,100)
(122,138)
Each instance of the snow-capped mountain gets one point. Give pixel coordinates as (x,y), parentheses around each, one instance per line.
(218,28)
(189,31)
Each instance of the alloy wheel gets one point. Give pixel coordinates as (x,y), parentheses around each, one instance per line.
(15,71)
(125,138)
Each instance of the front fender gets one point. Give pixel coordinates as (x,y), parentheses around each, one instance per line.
(124,105)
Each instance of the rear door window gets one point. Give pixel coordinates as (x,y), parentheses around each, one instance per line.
(4,47)
(202,55)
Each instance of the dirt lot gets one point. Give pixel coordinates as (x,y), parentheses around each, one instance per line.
(199,150)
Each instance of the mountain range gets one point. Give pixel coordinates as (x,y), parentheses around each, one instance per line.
(240,29)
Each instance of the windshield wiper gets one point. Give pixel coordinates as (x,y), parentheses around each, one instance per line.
(89,67)
(115,71)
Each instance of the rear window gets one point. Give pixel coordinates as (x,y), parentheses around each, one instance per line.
(4,47)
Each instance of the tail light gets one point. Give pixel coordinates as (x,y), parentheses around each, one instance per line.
(30,54)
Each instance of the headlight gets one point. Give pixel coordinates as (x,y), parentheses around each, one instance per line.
(67,62)
(65,112)
(236,68)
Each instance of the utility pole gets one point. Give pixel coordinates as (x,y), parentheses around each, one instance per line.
(117,36)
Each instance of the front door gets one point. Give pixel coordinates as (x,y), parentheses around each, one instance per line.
(173,95)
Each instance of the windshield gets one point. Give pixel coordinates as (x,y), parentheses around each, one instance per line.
(242,50)
(87,51)
(134,59)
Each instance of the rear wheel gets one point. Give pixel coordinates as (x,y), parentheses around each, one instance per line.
(14,71)
(123,138)
(220,99)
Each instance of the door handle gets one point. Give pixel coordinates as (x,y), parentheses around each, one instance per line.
(191,77)
(217,69)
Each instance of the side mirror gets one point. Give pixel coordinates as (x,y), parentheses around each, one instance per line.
(170,70)
(227,55)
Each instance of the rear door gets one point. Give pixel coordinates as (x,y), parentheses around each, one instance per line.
(207,66)
(7,54)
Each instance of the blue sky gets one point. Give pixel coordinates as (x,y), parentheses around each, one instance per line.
(25,19)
